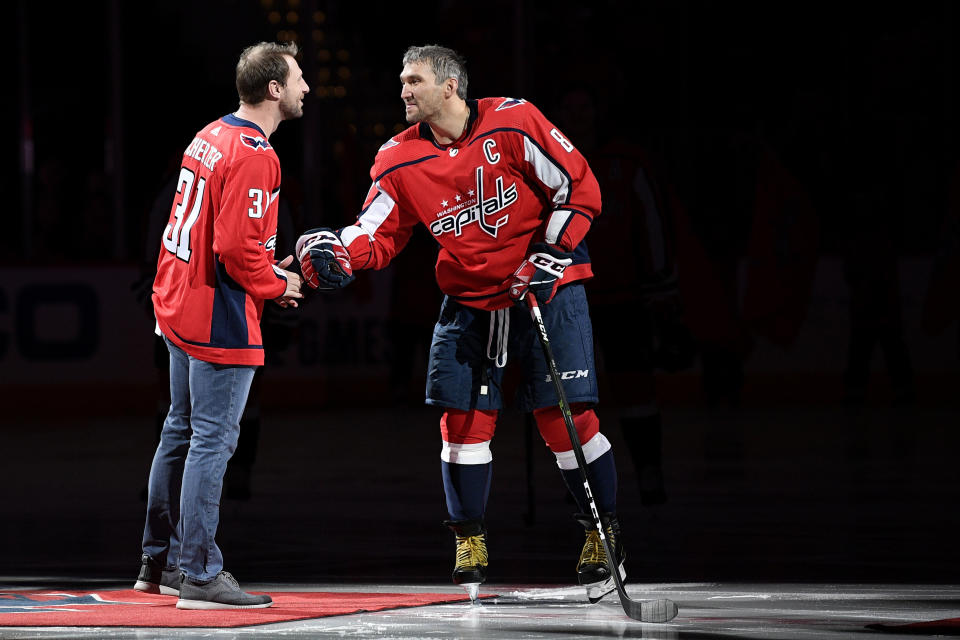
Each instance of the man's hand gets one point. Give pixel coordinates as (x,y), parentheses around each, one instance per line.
(289,297)
(324,261)
(540,273)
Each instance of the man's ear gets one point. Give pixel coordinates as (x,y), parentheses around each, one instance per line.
(274,89)
(451,87)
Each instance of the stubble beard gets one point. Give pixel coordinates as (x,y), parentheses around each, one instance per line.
(423,111)
(414,117)
(292,110)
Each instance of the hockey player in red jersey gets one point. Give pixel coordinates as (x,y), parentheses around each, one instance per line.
(216,269)
(509,199)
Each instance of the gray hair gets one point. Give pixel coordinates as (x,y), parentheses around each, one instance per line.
(445,63)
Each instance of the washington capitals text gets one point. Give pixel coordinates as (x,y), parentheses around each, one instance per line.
(479,210)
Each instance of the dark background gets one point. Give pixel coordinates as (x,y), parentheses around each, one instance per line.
(846,95)
(766,478)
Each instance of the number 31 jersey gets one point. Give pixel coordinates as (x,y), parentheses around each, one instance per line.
(216,265)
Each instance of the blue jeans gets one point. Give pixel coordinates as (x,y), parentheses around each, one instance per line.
(186,477)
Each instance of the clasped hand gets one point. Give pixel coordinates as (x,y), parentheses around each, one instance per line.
(292,292)
(324,261)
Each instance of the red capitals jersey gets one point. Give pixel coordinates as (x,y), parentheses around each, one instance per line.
(216,265)
(512,180)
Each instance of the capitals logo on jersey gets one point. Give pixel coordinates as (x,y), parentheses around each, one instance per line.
(257,142)
(477,209)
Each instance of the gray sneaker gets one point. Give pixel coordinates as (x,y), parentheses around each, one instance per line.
(222,592)
(154,578)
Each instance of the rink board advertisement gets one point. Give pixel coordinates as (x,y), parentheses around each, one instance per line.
(85,325)
(77,324)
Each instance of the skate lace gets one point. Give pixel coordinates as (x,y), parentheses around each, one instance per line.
(593,552)
(471,551)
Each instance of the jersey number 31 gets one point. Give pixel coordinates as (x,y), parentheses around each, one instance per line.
(176,237)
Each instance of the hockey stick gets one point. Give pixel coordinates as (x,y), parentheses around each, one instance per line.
(660,610)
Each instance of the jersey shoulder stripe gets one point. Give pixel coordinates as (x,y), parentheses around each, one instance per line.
(401,165)
(404,149)
(488,132)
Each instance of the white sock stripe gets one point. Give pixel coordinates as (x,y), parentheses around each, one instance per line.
(593,449)
(478,453)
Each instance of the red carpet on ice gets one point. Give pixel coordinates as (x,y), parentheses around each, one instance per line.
(129,608)
(945,627)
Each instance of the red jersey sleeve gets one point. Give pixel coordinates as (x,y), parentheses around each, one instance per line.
(565,177)
(382,229)
(248,214)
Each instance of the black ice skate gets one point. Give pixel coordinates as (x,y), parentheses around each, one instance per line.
(470,568)
(592,571)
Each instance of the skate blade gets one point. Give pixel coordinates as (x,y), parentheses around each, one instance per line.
(596,591)
(473,590)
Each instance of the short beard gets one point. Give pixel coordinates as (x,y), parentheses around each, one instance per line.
(291,111)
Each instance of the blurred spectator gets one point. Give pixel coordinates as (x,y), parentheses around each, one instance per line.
(635,301)
(746,209)
(876,317)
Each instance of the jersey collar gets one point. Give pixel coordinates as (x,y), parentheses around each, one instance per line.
(427,133)
(232,120)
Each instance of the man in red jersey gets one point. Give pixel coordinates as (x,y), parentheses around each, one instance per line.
(509,200)
(215,271)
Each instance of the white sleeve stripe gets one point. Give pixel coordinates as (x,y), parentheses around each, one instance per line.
(351,233)
(593,449)
(556,225)
(374,215)
(478,453)
(547,171)
(370,219)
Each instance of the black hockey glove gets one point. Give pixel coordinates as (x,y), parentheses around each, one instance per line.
(324,261)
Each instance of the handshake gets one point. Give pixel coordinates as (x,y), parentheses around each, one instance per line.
(325,265)
(324,261)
